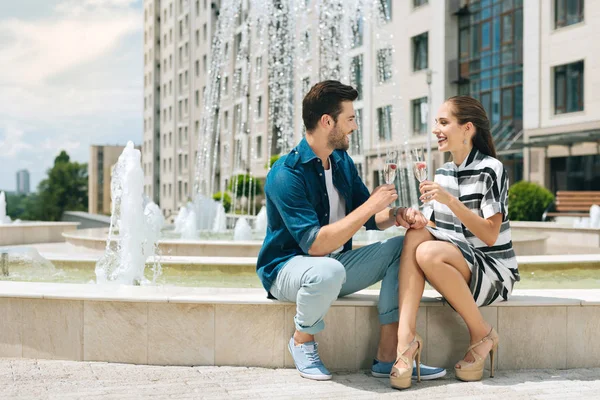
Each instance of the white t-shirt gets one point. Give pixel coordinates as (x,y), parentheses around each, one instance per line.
(337,205)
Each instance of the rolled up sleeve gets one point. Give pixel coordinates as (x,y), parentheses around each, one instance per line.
(287,190)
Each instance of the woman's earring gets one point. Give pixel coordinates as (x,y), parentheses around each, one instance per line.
(464,141)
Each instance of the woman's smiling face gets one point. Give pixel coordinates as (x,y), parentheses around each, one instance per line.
(449,133)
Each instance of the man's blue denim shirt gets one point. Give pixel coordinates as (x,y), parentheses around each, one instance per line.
(297,205)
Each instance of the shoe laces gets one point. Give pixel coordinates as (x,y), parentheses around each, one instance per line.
(312,354)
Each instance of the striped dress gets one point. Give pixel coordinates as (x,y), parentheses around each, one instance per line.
(481,184)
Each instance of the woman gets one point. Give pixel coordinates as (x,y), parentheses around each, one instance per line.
(466,251)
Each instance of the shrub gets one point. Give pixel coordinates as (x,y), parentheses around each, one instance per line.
(245,186)
(527,201)
(272,160)
(226,199)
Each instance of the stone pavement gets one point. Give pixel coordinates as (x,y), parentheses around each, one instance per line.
(43,379)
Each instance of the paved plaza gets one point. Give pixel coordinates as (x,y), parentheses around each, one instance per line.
(42,379)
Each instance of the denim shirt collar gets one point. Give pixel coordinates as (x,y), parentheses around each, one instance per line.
(307,154)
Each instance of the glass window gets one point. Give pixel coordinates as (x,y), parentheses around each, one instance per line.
(486,36)
(384,120)
(259,147)
(419,116)
(385,10)
(507,28)
(568,88)
(305,85)
(420,51)
(356,141)
(507,103)
(357,32)
(418,3)
(463,43)
(259,107)
(356,74)
(567,12)
(384,65)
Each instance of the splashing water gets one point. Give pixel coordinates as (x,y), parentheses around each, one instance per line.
(242,230)
(261,220)
(4,219)
(135,225)
(291,38)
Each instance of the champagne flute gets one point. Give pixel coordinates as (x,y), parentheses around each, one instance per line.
(419,164)
(391,167)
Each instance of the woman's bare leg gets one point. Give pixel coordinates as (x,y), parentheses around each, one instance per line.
(411,286)
(446,269)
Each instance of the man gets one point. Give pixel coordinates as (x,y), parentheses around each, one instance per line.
(316,202)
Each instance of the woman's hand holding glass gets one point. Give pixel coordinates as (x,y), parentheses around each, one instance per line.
(433,191)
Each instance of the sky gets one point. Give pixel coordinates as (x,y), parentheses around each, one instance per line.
(71,75)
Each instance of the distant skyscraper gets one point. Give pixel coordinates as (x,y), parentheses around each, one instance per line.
(23,181)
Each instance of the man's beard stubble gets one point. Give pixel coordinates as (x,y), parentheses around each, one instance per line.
(337,139)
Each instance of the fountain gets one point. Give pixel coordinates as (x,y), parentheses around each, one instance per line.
(135,224)
(4,219)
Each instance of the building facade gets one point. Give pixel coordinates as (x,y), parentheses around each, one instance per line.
(100,166)
(404,63)
(562,112)
(23,182)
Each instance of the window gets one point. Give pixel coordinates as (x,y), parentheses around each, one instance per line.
(197,68)
(259,147)
(419,3)
(384,65)
(238,44)
(507,28)
(204,62)
(385,10)
(305,85)
(197,96)
(204,32)
(197,8)
(419,116)
(567,12)
(226,86)
(226,120)
(568,88)
(259,107)
(356,74)
(507,103)
(420,49)
(356,136)
(259,67)
(357,31)
(384,121)
(197,37)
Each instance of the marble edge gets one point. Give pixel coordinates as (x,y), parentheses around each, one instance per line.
(177,294)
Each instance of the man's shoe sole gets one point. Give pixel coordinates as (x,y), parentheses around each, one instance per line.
(315,377)
(431,376)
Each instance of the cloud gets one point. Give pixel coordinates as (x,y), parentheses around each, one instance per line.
(70,78)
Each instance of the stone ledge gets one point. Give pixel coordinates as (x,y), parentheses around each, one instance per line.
(179,294)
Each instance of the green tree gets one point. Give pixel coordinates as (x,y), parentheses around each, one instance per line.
(64,189)
(246,184)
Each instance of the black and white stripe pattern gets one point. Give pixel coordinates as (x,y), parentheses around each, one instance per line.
(481,184)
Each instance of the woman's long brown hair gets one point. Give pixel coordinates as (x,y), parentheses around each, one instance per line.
(467,109)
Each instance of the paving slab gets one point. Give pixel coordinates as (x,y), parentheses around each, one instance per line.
(44,379)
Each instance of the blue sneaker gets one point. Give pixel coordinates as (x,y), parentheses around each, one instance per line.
(308,363)
(383,369)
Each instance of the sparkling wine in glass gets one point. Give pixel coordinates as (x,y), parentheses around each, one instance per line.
(391,167)
(420,170)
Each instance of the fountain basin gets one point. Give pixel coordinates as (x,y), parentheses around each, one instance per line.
(35,232)
(208,326)
(218,244)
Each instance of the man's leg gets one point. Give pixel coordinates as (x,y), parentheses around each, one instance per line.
(313,283)
(367,266)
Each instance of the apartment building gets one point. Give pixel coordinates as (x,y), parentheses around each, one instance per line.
(177,38)
(100,167)
(562,112)
(404,61)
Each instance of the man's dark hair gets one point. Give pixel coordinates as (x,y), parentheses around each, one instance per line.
(325,98)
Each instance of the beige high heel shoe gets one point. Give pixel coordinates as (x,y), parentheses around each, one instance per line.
(402,380)
(469,372)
